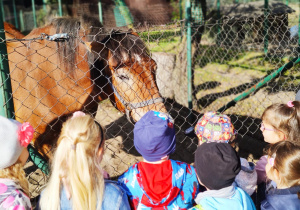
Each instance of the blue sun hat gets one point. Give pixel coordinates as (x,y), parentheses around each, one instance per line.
(154,136)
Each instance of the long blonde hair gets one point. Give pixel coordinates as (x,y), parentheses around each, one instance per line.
(287,162)
(17,174)
(76,161)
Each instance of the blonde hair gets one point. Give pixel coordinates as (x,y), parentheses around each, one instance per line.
(76,160)
(285,119)
(17,174)
(287,162)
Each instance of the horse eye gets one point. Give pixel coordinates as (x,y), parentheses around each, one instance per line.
(123,77)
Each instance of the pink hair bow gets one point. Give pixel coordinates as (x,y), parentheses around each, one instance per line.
(78,114)
(290,104)
(25,134)
(271,160)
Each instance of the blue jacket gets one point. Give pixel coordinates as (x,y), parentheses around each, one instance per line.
(184,188)
(278,199)
(113,199)
(233,199)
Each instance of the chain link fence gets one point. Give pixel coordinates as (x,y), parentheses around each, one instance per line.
(229,56)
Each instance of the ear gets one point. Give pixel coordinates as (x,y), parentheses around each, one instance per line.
(276,174)
(133,32)
(100,152)
(281,135)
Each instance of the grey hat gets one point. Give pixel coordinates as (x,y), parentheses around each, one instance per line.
(10,146)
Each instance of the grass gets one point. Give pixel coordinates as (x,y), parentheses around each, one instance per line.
(166,45)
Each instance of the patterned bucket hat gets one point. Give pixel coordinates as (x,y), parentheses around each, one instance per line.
(214,127)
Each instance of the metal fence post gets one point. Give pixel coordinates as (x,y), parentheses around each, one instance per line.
(189,54)
(100,11)
(299,31)
(219,21)
(59,8)
(15,14)
(44,6)
(6,100)
(33,13)
(266,26)
(22,27)
(2,10)
(125,12)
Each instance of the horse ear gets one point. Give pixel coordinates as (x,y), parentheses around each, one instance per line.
(97,47)
(133,32)
(94,46)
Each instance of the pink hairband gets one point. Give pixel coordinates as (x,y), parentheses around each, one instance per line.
(290,104)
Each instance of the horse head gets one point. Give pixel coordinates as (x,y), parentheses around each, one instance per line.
(130,73)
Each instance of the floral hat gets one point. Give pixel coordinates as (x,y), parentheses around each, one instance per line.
(214,127)
(14,137)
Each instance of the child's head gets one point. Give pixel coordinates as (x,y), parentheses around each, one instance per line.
(283,165)
(76,161)
(216,165)
(214,127)
(14,140)
(281,122)
(154,136)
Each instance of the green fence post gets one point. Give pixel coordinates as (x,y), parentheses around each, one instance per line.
(125,12)
(266,26)
(59,8)
(100,11)
(2,10)
(219,21)
(44,6)
(22,27)
(299,30)
(15,14)
(33,13)
(6,100)
(189,54)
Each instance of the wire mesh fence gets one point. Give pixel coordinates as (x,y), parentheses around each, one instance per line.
(229,55)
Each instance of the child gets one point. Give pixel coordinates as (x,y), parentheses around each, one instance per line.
(283,168)
(157,181)
(217,127)
(217,166)
(76,180)
(14,140)
(279,122)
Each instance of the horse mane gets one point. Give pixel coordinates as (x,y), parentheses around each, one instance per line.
(75,28)
(120,43)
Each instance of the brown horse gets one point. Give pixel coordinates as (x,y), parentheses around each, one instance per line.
(52,79)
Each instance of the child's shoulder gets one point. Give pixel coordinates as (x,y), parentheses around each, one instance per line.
(11,190)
